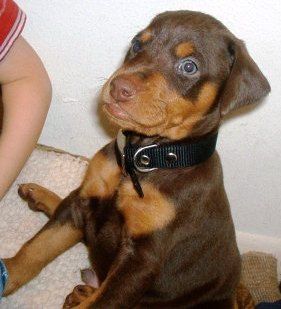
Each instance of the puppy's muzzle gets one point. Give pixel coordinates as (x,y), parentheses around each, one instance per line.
(122,88)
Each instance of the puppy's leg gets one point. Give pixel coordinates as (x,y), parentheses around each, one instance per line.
(130,276)
(61,232)
(39,198)
(58,235)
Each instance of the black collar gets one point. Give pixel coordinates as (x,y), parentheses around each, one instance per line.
(135,158)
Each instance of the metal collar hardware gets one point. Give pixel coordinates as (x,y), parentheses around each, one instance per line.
(144,159)
(141,160)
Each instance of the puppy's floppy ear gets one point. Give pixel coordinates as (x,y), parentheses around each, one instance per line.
(246,84)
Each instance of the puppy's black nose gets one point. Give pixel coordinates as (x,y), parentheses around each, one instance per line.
(122,89)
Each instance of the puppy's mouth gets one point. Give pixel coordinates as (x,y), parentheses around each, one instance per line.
(115,110)
(124,119)
(132,113)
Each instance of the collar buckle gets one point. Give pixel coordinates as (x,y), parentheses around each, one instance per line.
(142,161)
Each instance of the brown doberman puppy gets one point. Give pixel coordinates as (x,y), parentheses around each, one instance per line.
(152,207)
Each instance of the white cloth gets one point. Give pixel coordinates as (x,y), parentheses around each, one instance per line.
(60,173)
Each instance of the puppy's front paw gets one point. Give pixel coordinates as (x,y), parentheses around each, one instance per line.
(79,294)
(34,195)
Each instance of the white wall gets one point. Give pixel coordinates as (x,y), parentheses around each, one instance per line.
(82,42)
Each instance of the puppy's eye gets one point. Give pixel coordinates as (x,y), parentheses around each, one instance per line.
(136,46)
(187,67)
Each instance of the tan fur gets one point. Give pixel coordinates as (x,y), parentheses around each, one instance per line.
(39,198)
(244,299)
(38,252)
(146,36)
(144,215)
(184,49)
(102,177)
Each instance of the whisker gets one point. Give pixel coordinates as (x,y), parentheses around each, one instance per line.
(102,78)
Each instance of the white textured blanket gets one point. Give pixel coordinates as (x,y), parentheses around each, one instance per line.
(60,173)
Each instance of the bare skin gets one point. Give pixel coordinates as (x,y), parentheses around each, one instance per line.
(26,96)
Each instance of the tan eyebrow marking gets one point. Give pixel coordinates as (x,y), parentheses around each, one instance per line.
(184,49)
(146,36)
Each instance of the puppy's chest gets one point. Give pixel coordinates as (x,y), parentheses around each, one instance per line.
(138,216)
(141,216)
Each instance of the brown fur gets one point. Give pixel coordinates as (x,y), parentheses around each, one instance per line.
(176,247)
(80,294)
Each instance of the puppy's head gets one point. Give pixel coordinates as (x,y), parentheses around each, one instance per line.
(180,75)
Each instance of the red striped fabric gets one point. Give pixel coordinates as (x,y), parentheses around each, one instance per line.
(12,20)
